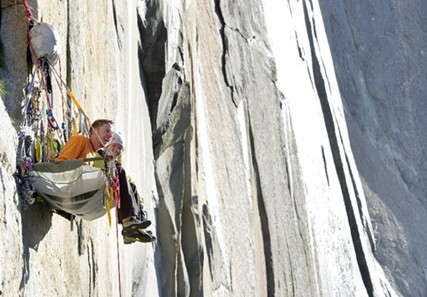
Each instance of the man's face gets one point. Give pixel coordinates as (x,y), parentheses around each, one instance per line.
(105,132)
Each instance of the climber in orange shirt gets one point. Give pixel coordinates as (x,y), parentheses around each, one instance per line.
(81,147)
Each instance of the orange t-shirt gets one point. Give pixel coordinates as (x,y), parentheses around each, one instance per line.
(77,147)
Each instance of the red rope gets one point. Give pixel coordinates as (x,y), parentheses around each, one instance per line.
(28,13)
(116,189)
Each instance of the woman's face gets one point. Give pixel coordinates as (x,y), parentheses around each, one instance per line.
(116,149)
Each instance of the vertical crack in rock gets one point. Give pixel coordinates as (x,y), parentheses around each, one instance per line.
(2,181)
(223,36)
(190,239)
(300,52)
(93,268)
(293,279)
(173,87)
(80,238)
(152,56)
(116,25)
(207,228)
(218,11)
(119,43)
(268,254)
(359,204)
(326,165)
(165,256)
(180,252)
(89,263)
(330,127)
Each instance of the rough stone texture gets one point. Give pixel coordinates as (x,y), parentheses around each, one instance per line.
(237,137)
(257,191)
(11,227)
(380,58)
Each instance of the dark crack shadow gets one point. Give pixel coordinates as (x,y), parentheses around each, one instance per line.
(340,166)
(225,48)
(151,55)
(36,222)
(116,25)
(268,253)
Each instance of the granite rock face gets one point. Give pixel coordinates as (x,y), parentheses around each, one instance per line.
(379,51)
(273,142)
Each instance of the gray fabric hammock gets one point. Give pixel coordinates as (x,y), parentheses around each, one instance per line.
(71,186)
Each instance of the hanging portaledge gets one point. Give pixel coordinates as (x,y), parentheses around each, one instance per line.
(71,186)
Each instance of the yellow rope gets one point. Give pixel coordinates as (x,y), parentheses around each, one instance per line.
(76,103)
(109,203)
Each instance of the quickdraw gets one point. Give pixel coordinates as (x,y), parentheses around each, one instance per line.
(51,119)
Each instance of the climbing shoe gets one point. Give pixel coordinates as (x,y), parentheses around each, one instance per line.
(135,224)
(128,240)
(138,236)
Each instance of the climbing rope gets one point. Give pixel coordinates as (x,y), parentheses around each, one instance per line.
(116,189)
(28,13)
(113,196)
